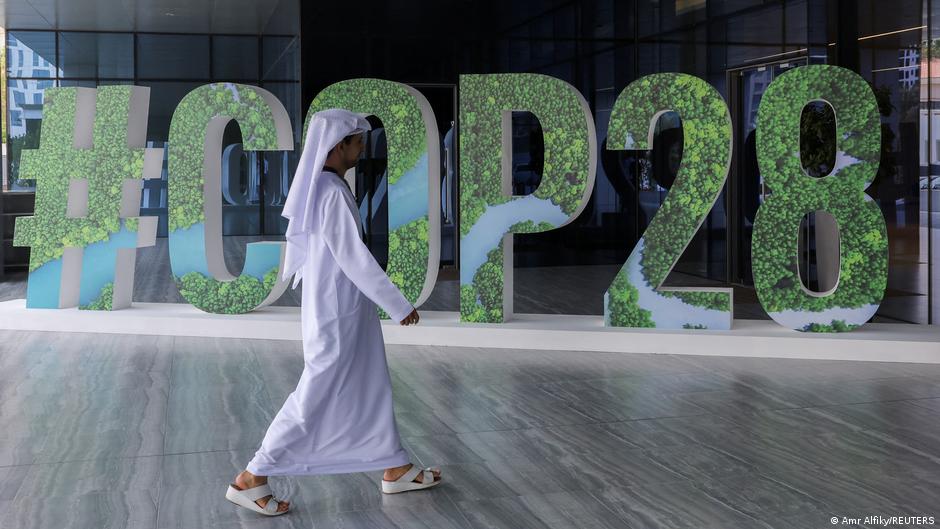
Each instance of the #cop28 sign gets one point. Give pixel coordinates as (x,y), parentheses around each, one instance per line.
(91,162)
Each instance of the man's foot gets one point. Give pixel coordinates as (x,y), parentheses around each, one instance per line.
(247,480)
(392,474)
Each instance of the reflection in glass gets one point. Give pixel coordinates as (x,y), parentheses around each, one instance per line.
(153,196)
(278,167)
(31,54)
(164,98)
(599,46)
(173,56)
(234,58)
(928,188)
(92,55)
(280,59)
(24,99)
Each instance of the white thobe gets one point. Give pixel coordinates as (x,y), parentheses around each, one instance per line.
(340,417)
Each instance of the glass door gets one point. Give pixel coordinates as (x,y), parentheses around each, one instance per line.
(745,186)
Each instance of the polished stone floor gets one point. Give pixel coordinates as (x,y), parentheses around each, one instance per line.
(103,431)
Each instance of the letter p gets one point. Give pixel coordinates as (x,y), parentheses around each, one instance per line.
(489,212)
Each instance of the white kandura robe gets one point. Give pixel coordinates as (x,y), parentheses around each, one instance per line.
(340,417)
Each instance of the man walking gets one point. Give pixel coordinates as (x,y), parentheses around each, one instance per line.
(340,418)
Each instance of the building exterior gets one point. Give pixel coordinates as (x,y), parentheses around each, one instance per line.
(295,49)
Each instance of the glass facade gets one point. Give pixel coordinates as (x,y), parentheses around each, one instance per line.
(737,46)
(171,65)
(599,47)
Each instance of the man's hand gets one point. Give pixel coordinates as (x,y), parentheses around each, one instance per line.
(411,318)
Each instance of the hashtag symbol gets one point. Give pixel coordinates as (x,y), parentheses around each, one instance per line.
(88,170)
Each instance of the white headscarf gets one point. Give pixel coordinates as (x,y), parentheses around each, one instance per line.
(327,128)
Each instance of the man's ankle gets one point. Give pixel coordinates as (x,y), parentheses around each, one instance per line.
(250,478)
(397,472)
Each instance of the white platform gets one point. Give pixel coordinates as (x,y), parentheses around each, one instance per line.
(878,342)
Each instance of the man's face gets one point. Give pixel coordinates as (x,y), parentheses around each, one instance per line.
(353,150)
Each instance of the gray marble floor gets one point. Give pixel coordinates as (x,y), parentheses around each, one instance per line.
(105,431)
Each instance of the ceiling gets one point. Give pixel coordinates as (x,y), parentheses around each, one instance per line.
(178,16)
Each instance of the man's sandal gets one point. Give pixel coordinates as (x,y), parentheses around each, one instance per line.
(406,481)
(246,498)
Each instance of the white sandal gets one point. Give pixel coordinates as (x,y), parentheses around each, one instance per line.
(406,481)
(246,498)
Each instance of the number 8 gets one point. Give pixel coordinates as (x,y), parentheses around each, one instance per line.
(863,266)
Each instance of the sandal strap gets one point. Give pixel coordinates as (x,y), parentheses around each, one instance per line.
(272,505)
(256,493)
(410,475)
(428,476)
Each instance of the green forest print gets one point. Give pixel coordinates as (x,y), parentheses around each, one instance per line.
(105,164)
(406,133)
(863,236)
(487,213)
(256,117)
(240,296)
(635,298)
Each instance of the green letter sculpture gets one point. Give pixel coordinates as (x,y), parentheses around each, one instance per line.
(489,214)
(863,248)
(85,231)
(195,203)
(413,175)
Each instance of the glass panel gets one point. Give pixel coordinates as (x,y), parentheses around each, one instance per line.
(234,58)
(240,186)
(723,7)
(796,23)
(746,180)
(928,209)
(164,98)
(153,197)
(173,57)
(25,118)
(86,83)
(278,167)
(31,54)
(96,55)
(887,32)
(738,46)
(760,34)
(280,59)
(90,83)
